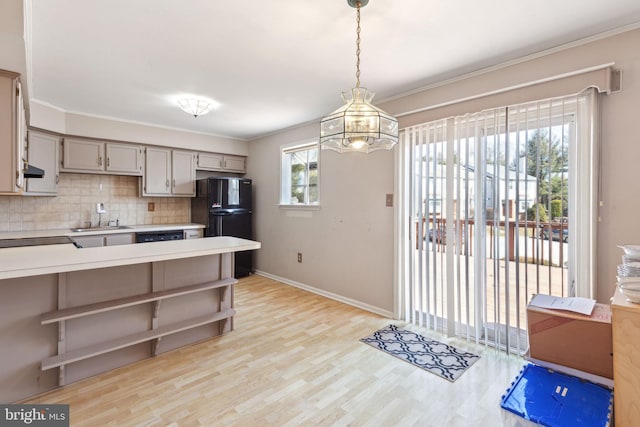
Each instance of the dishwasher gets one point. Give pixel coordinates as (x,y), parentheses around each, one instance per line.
(159,236)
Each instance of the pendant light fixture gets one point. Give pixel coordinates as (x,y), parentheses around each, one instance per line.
(358,125)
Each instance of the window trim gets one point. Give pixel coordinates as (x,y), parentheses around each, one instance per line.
(290,148)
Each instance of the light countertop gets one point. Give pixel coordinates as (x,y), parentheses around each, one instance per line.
(90,232)
(34,260)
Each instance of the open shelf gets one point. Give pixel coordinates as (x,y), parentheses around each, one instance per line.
(129,340)
(89,309)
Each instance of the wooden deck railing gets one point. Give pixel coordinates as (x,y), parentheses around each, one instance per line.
(434,229)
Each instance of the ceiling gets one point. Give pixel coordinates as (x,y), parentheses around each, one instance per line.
(274,64)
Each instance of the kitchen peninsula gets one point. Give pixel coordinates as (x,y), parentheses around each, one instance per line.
(69,313)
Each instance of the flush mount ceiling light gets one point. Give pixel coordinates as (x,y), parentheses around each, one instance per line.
(195,106)
(358,125)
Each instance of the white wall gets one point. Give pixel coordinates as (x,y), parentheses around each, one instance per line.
(348,245)
(13,56)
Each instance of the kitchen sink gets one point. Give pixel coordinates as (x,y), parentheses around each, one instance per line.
(105,228)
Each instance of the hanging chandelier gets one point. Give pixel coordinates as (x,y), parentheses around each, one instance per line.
(358,125)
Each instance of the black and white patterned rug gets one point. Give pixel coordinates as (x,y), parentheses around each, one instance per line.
(436,357)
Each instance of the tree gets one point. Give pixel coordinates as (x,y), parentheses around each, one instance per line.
(537,212)
(297,182)
(546,159)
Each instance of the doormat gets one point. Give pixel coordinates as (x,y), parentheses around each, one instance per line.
(438,358)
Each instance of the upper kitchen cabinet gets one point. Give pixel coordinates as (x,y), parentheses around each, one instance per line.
(183,170)
(221,162)
(169,173)
(124,159)
(79,155)
(42,151)
(91,156)
(12,134)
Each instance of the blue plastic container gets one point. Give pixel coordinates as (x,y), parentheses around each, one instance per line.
(554,399)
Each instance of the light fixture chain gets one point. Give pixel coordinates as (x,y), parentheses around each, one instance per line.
(358,46)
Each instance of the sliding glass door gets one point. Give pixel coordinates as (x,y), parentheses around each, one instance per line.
(486,216)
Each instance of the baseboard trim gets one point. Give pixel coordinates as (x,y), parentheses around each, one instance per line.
(330,295)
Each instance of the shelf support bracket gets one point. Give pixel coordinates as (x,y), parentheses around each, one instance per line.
(62,325)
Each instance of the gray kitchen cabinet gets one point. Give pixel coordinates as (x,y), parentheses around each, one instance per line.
(42,152)
(90,156)
(157,173)
(123,158)
(169,173)
(183,170)
(82,155)
(104,240)
(209,161)
(193,234)
(221,162)
(89,241)
(119,239)
(235,164)
(12,134)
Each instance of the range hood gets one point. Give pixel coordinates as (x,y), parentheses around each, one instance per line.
(33,172)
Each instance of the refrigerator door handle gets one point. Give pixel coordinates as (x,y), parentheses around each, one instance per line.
(218,227)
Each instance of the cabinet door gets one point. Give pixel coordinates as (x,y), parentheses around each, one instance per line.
(118,239)
(42,152)
(10,153)
(22,138)
(157,172)
(183,168)
(82,155)
(89,241)
(210,162)
(234,164)
(124,158)
(193,234)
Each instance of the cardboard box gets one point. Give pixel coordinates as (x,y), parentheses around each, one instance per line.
(573,340)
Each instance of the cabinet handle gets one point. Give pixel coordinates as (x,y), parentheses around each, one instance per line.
(167,184)
(174,183)
(57,179)
(99,160)
(108,161)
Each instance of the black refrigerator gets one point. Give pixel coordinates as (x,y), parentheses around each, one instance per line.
(223,205)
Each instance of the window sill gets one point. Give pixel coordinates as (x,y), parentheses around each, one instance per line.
(300,207)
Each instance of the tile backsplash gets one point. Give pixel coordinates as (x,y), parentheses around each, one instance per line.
(76,201)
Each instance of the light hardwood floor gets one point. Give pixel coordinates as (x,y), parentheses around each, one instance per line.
(294,359)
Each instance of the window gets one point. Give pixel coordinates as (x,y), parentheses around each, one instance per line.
(299,180)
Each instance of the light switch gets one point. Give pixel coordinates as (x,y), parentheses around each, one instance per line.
(389,200)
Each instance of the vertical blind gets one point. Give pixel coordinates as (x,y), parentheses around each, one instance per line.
(488,216)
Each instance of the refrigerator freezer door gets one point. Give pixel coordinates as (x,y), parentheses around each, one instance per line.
(236,225)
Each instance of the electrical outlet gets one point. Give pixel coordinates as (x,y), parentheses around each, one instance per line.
(151,207)
(389,200)
(299,256)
